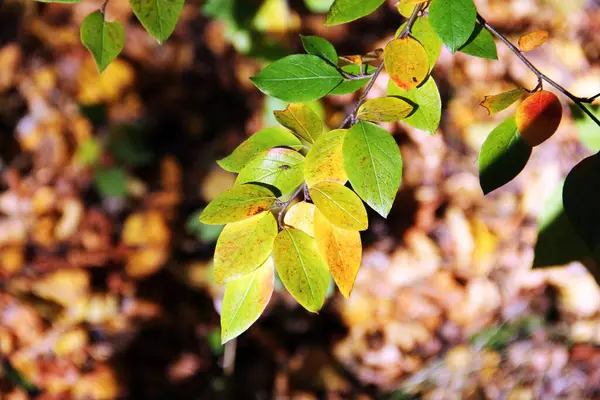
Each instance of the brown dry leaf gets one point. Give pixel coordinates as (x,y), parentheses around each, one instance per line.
(11,260)
(533,40)
(70,342)
(146,261)
(148,228)
(10,58)
(64,286)
(216,182)
(106,87)
(99,384)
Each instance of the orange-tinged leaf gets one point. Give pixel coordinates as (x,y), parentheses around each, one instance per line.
(342,251)
(301,268)
(538,117)
(301,216)
(533,40)
(245,300)
(340,205)
(499,102)
(301,120)
(244,246)
(238,203)
(407,62)
(385,109)
(360,59)
(324,160)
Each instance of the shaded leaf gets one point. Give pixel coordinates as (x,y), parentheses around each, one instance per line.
(244,246)
(262,140)
(324,161)
(343,11)
(424,33)
(301,120)
(111,182)
(238,203)
(320,47)
(407,62)
(503,156)
(502,101)
(298,78)
(281,168)
(533,40)
(481,44)
(301,216)
(105,40)
(340,205)
(427,101)
(384,109)
(453,21)
(159,17)
(301,269)
(373,164)
(245,300)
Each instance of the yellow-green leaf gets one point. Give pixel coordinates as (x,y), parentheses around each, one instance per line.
(424,33)
(406,62)
(244,246)
(428,103)
(499,102)
(324,160)
(245,300)
(238,203)
(340,205)
(159,17)
(301,268)
(281,168)
(385,109)
(301,120)
(301,216)
(342,251)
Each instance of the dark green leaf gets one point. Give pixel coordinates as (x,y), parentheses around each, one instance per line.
(320,47)
(481,44)
(453,21)
(105,40)
(343,11)
(129,145)
(111,182)
(159,17)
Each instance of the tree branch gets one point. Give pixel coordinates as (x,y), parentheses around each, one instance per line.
(285,205)
(579,101)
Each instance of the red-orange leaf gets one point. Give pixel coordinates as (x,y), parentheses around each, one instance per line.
(533,40)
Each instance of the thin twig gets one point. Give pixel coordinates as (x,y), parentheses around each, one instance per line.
(285,205)
(351,118)
(103,6)
(579,101)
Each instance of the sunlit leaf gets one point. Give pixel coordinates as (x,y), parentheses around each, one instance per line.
(275,16)
(538,117)
(407,62)
(244,246)
(281,168)
(298,78)
(105,40)
(318,6)
(343,11)
(384,109)
(159,17)
(301,120)
(503,156)
(301,269)
(453,21)
(481,44)
(340,205)
(245,300)
(533,40)
(238,203)
(341,249)
(424,33)
(373,164)
(262,140)
(324,161)
(427,101)
(320,47)
(301,216)
(406,9)
(499,102)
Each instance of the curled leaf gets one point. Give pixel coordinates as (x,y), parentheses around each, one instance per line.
(499,102)
(301,120)
(533,40)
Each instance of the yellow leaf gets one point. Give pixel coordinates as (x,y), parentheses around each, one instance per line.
(406,62)
(324,160)
(385,109)
(301,216)
(405,9)
(533,40)
(301,120)
(340,205)
(342,251)
(501,101)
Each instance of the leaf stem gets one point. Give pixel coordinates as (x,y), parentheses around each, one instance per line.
(351,118)
(579,101)
(284,206)
(103,6)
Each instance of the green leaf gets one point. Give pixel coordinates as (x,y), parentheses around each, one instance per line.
(481,44)
(324,161)
(580,199)
(589,132)
(262,140)
(281,168)
(111,182)
(503,156)
(453,21)
(426,99)
(238,203)
(318,6)
(502,101)
(245,300)
(351,86)
(424,33)
(557,242)
(244,246)
(89,152)
(340,206)
(105,40)
(385,109)
(320,47)
(159,17)
(301,120)
(301,269)
(298,78)
(373,163)
(343,11)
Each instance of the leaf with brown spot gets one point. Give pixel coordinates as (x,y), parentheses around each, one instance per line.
(340,205)
(407,62)
(238,203)
(385,109)
(533,40)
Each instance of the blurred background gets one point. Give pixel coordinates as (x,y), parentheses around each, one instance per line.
(106,288)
